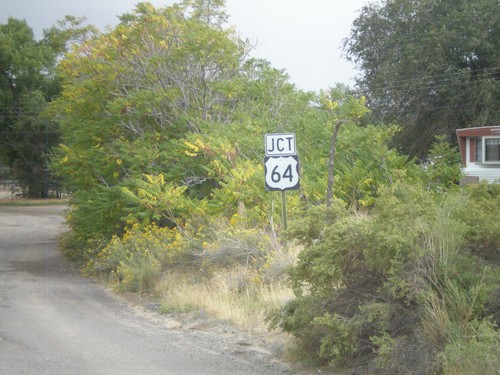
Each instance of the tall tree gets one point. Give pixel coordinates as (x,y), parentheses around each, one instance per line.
(131,97)
(210,12)
(342,108)
(431,66)
(27,83)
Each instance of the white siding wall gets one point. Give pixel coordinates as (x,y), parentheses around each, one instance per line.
(491,173)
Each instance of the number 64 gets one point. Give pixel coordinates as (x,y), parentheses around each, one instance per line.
(276,176)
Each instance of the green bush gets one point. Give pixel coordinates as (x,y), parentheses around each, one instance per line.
(475,351)
(447,306)
(297,317)
(136,260)
(480,214)
(386,283)
(347,337)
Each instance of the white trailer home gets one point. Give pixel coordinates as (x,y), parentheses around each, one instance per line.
(480,151)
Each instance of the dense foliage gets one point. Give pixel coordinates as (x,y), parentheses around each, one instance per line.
(430,66)
(162,119)
(161,123)
(406,287)
(27,84)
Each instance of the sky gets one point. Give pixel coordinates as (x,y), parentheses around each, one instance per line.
(303,37)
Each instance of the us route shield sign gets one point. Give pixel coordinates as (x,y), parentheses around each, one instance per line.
(282,172)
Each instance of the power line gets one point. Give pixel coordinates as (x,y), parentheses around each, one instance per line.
(21,133)
(445,76)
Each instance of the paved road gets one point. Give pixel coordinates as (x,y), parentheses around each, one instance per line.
(53,321)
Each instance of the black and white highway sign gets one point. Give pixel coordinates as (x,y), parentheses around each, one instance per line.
(280,144)
(282,172)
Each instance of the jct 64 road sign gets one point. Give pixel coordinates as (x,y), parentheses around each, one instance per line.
(282,172)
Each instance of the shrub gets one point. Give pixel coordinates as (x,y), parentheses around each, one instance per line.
(387,283)
(349,336)
(136,260)
(309,227)
(480,214)
(235,245)
(443,165)
(403,354)
(475,351)
(297,317)
(227,243)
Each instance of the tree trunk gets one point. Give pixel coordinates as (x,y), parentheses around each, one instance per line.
(331,166)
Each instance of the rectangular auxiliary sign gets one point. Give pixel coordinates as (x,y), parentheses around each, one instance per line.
(280,144)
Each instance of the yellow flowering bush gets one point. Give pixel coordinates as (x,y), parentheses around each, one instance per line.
(136,260)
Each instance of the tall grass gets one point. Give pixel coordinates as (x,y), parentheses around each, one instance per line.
(448,311)
(234,295)
(451,303)
(443,240)
(477,351)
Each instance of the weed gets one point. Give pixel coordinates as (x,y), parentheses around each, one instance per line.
(230,295)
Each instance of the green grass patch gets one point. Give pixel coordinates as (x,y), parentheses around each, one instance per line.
(26,202)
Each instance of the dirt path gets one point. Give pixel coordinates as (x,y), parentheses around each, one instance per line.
(53,321)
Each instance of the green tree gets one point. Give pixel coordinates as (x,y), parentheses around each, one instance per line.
(342,108)
(27,83)
(210,12)
(344,158)
(28,143)
(133,98)
(430,66)
(443,167)
(166,93)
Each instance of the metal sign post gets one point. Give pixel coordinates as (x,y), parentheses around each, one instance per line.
(284,218)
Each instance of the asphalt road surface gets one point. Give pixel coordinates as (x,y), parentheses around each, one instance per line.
(54,321)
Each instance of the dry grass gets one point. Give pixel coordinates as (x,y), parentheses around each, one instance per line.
(240,292)
(234,295)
